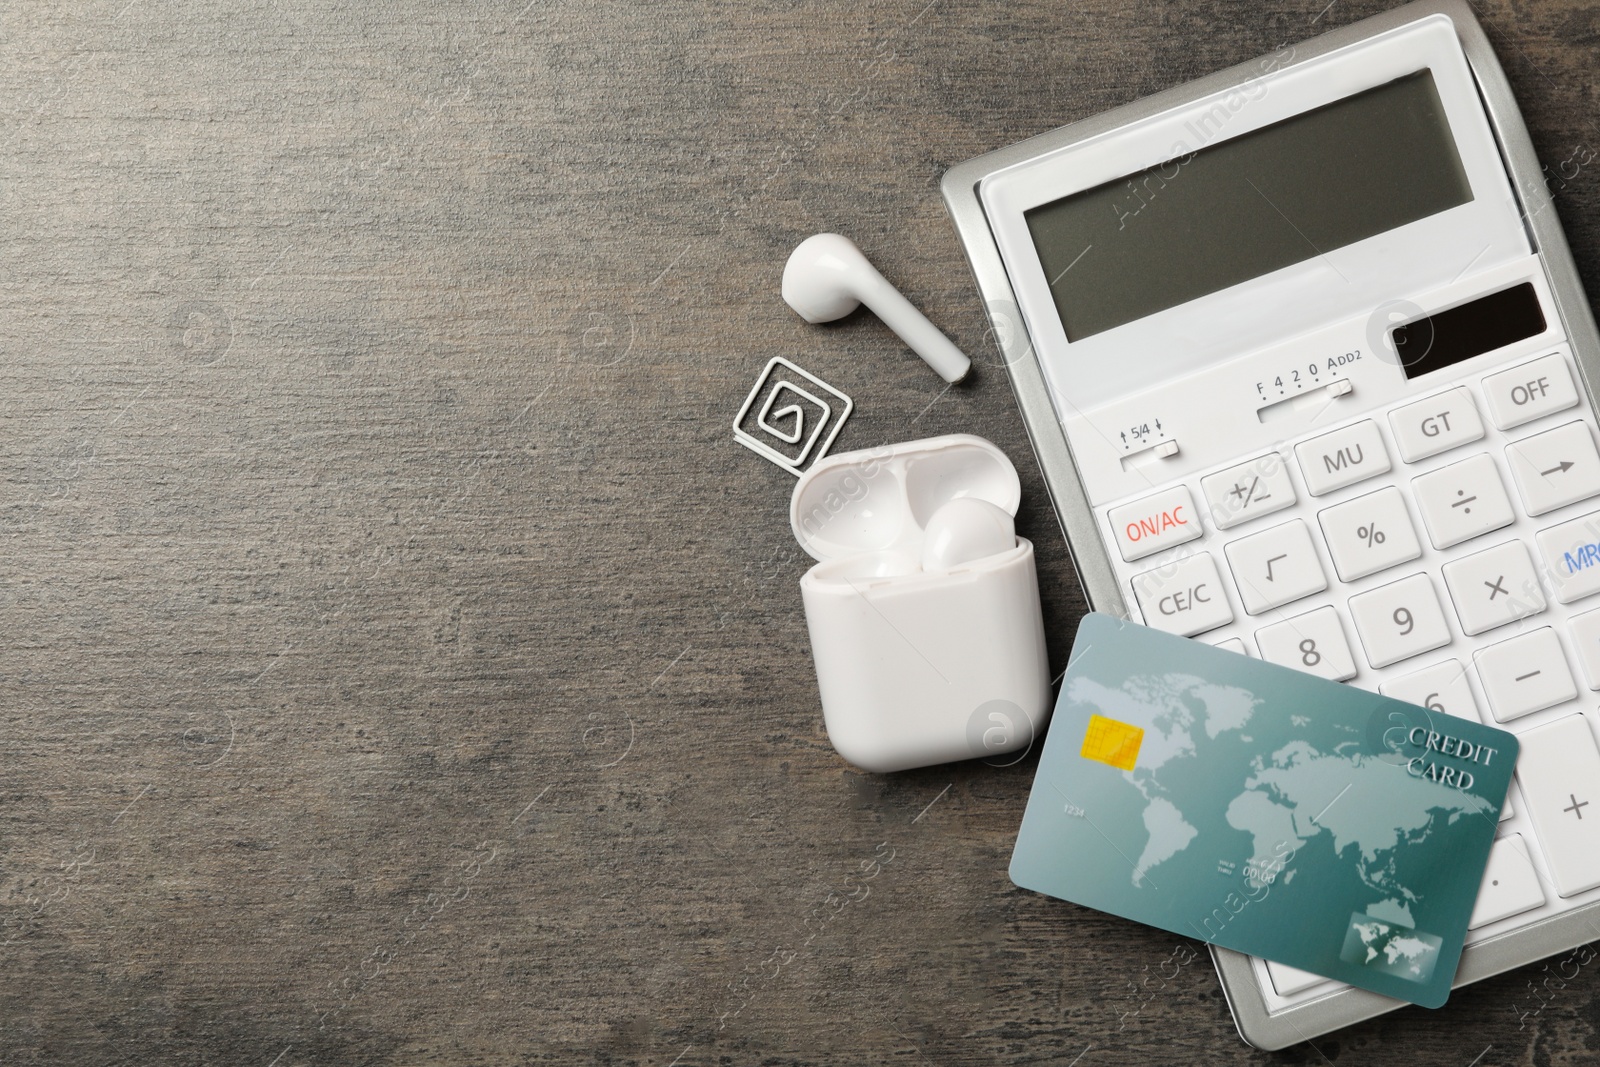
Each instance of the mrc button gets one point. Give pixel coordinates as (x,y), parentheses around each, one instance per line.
(1571,556)
(1152,523)
(1529,391)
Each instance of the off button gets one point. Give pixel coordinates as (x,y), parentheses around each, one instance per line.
(1152,523)
(1529,391)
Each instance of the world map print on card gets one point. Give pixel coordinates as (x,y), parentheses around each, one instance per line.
(1263,809)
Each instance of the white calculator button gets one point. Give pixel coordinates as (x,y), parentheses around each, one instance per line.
(1233,644)
(1435,425)
(1461,501)
(1291,980)
(1585,630)
(1509,885)
(1152,523)
(1399,620)
(1555,468)
(1184,597)
(1369,534)
(1441,687)
(1571,556)
(1313,642)
(1343,457)
(1494,587)
(1242,493)
(1559,769)
(1525,674)
(1275,566)
(1530,391)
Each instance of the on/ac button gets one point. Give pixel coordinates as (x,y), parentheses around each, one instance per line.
(1152,523)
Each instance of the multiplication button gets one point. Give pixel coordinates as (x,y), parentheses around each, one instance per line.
(1343,457)
(1494,587)
(1184,597)
(1369,534)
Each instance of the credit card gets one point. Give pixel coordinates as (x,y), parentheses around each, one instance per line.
(1263,809)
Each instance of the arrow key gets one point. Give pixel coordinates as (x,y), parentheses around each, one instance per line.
(1555,468)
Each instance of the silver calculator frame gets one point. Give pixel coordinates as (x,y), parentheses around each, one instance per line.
(1494,955)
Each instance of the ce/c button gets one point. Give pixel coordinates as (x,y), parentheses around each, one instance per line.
(1184,597)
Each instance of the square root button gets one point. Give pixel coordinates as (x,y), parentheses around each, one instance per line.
(1154,522)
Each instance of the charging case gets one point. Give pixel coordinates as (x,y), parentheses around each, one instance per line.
(918,668)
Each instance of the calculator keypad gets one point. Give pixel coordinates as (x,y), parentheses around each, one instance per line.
(1427,553)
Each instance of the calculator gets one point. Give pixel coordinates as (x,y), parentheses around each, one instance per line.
(1310,375)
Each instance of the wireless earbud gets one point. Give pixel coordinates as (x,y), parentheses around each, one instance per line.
(964,530)
(827,277)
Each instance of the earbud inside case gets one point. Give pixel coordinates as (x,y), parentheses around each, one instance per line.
(914,667)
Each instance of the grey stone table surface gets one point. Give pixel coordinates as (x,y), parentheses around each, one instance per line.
(402,662)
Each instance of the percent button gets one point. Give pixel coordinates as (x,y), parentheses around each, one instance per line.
(1369,534)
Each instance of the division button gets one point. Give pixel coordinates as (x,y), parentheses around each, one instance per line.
(1184,597)
(1462,501)
(1343,457)
(1154,522)
(1555,468)
(1559,769)
(1435,425)
(1530,391)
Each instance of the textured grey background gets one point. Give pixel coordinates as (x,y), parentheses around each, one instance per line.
(402,663)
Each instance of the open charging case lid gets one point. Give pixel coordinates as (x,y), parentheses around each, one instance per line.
(879,500)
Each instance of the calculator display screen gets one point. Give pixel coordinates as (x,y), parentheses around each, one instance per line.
(1216,216)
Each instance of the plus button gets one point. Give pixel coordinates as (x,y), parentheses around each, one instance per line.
(1576,804)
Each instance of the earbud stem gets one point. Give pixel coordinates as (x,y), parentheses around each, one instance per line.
(925,339)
